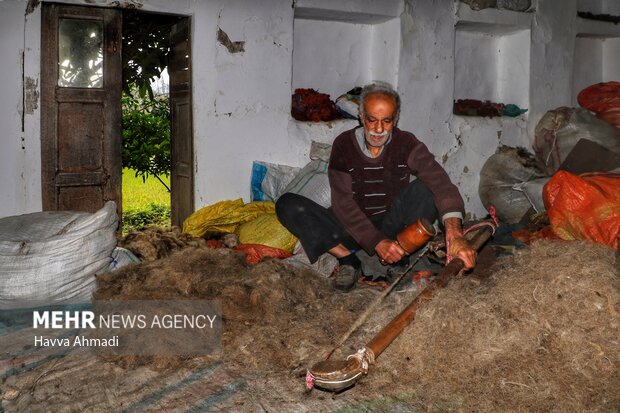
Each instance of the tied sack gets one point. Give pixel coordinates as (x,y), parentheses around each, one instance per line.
(585,206)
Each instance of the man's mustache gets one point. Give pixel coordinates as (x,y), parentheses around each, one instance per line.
(380,135)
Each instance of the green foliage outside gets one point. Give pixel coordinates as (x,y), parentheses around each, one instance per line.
(146,120)
(146,136)
(144,202)
(146,161)
(146,49)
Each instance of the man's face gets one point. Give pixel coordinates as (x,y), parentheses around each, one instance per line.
(378,119)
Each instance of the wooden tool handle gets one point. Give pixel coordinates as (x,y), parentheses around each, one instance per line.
(385,337)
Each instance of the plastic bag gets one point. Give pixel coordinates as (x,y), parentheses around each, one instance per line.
(312,181)
(266,229)
(600,97)
(604,100)
(585,207)
(269,180)
(559,130)
(348,104)
(502,180)
(224,216)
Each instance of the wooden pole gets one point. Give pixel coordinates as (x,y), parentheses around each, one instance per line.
(385,337)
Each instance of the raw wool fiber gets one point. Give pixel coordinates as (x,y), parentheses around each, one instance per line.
(543,334)
(153,243)
(261,304)
(504,343)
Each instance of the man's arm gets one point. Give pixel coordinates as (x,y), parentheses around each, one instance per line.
(447,199)
(456,245)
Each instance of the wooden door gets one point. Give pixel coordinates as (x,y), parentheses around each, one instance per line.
(180,71)
(81,71)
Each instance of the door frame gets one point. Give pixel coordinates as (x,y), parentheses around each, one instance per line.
(48,126)
(56,181)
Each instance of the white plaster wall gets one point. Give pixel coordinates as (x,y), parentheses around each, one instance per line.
(611,60)
(426,72)
(586,72)
(242,101)
(476,66)
(429,77)
(492,65)
(385,51)
(611,7)
(513,73)
(331,57)
(600,6)
(551,57)
(374,7)
(20,154)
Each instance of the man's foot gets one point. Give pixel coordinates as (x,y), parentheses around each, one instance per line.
(346,277)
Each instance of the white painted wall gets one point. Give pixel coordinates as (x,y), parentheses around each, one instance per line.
(585,72)
(331,57)
(242,101)
(476,68)
(600,6)
(20,158)
(611,60)
(513,72)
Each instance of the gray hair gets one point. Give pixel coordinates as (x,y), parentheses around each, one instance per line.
(380,88)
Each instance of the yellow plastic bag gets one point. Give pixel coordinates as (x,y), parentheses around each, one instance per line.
(224,216)
(266,229)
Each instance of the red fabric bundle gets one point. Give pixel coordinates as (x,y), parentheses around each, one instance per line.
(310,105)
(254,253)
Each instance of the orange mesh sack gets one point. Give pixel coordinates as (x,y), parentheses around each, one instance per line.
(584,207)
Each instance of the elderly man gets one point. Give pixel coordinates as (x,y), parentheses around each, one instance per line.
(373,197)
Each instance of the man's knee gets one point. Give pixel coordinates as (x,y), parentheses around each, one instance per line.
(289,206)
(287,202)
(417,189)
(417,193)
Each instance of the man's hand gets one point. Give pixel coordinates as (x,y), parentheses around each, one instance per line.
(389,251)
(456,245)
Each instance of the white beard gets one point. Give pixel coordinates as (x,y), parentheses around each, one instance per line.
(370,141)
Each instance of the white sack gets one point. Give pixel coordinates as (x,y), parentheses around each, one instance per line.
(52,257)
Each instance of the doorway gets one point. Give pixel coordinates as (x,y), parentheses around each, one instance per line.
(82,76)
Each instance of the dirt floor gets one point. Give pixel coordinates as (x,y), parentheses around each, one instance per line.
(541,333)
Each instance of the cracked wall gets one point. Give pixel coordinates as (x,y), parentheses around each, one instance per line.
(241,100)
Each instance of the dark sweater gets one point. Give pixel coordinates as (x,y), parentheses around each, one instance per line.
(364,187)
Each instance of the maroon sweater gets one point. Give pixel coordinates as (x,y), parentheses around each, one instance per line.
(364,187)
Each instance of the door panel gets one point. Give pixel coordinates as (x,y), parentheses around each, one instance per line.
(81,114)
(80,143)
(182,177)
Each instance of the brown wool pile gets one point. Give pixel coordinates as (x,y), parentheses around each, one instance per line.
(154,242)
(540,333)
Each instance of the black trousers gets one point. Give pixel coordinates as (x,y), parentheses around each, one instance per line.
(319,230)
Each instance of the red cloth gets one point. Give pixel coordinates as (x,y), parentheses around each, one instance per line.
(254,253)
